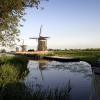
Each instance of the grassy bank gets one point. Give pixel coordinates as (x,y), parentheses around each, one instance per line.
(12,69)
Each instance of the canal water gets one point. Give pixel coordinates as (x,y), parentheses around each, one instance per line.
(53,74)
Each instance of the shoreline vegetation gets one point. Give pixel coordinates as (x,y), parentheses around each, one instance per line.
(14,68)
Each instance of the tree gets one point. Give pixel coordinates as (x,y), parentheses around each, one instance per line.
(11,11)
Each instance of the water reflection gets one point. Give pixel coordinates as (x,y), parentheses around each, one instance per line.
(35,78)
(75,67)
(44,74)
(42,66)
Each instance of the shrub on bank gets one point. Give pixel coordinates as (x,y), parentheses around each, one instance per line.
(19,63)
(12,69)
(8,74)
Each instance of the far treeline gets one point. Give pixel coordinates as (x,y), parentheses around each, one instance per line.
(87,49)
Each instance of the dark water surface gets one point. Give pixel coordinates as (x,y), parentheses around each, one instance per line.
(52,74)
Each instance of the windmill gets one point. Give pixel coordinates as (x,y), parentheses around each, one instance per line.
(42,41)
(23,47)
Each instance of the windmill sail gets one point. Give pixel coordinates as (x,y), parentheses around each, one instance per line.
(40,34)
(33,38)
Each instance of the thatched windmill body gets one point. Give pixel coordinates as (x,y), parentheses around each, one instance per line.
(42,41)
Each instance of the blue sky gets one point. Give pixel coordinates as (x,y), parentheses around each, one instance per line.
(69,23)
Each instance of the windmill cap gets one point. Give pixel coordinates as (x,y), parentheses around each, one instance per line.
(42,38)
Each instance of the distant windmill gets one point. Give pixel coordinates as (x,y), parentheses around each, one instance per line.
(42,41)
(23,46)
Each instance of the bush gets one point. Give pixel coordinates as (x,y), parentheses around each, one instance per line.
(31,50)
(8,74)
(20,63)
